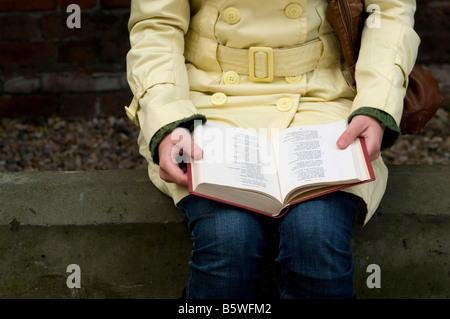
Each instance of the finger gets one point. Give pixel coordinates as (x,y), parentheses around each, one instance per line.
(367,128)
(196,151)
(373,148)
(171,172)
(374,155)
(174,175)
(348,136)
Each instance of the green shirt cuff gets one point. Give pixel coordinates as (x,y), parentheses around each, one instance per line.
(188,123)
(391,131)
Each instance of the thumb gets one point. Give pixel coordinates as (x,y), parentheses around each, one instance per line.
(347,137)
(196,151)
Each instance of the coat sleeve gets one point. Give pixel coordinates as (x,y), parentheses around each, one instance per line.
(388,52)
(156,70)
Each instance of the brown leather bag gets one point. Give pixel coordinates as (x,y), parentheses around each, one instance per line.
(422,98)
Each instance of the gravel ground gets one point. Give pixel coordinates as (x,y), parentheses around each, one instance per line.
(102,144)
(58,144)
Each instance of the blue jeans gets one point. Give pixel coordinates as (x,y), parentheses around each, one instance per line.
(230,244)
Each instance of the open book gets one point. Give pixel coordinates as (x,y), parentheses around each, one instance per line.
(247,169)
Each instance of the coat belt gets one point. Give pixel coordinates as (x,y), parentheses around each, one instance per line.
(262,63)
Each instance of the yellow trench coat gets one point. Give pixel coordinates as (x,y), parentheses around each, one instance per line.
(183,53)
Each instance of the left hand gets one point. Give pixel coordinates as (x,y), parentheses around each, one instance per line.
(366,127)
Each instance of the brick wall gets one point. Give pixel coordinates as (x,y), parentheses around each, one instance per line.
(48,69)
(433,26)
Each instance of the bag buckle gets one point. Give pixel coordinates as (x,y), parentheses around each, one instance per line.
(260,64)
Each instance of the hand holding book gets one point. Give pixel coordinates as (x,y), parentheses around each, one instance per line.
(366,127)
(172,148)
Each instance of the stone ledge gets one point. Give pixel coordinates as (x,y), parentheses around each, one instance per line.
(128,196)
(83,198)
(130,241)
(417,189)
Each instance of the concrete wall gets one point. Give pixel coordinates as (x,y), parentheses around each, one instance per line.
(130,242)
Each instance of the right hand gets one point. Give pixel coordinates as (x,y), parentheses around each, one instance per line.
(173,145)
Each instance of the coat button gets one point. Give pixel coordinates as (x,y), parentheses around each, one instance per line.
(219,98)
(284,104)
(293,10)
(231,15)
(293,79)
(231,77)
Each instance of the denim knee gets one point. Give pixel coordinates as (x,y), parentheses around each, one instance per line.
(224,227)
(227,250)
(314,252)
(315,236)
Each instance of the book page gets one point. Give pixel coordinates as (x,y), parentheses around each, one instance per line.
(309,155)
(236,157)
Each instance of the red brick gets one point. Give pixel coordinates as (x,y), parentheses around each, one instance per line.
(103,25)
(435,2)
(27,106)
(97,25)
(114,50)
(78,105)
(26,53)
(434,47)
(82,80)
(84,4)
(116,3)
(54,26)
(66,81)
(35,5)
(18,26)
(21,81)
(432,17)
(80,52)
(112,104)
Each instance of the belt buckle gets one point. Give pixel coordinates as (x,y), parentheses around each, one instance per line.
(252,65)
